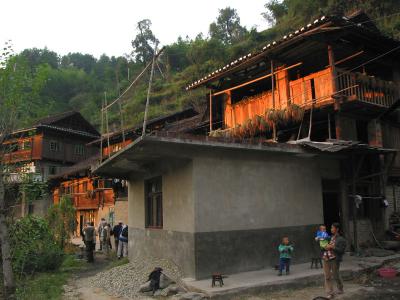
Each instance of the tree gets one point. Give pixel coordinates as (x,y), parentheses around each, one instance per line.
(227,28)
(275,11)
(144,42)
(11,85)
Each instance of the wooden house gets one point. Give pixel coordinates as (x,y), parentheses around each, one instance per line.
(93,197)
(51,144)
(303,132)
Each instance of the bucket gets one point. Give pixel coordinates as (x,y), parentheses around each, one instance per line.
(387,272)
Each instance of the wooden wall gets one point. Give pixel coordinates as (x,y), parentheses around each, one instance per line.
(314,89)
(84,194)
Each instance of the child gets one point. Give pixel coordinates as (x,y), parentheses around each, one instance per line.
(285,254)
(324,239)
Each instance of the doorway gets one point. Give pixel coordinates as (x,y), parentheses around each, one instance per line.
(331,206)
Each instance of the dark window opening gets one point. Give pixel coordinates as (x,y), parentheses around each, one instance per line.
(52,170)
(153,203)
(313,89)
(362,131)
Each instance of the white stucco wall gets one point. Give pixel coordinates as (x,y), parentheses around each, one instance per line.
(178,206)
(244,193)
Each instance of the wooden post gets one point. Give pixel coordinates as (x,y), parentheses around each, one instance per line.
(331,58)
(273,97)
(329,126)
(353,191)
(211,127)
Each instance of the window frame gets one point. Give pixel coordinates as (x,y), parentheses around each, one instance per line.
(79,149)
(54,146)
(52,167)
(153,203)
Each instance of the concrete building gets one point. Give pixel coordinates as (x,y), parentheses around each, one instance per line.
(213,206)
(302,132)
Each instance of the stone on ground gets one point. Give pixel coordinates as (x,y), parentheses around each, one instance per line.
(130,279)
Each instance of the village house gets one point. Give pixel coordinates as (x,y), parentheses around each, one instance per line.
(44,149)
(93,197)
(97,197)
(303,132)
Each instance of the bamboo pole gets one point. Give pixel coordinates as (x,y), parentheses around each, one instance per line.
(107,129)
(255,80)
(211,110)
(148,92)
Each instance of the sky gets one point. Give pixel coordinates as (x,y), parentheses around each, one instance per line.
(103,26)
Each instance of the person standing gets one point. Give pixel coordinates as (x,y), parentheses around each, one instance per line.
(89,234)
(100,231)
(285,254)
(116,232)
(123,242)
(332,266)
(105,238)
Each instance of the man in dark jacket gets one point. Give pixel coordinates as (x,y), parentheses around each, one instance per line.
(89,238)
(154,279)
(116,232)
(332,266)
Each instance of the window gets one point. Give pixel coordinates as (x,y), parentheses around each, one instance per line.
(52,170)
(54,146)
(79,149)
(26,145)
(153,203)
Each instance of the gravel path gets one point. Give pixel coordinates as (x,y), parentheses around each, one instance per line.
(124,281)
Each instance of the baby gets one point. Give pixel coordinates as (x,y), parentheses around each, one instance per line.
(324,239)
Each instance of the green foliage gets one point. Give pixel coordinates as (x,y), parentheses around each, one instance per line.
(49,285)
(47,83)
(61,218)
(34,248)
(144,42)
(227,28)
(31,189)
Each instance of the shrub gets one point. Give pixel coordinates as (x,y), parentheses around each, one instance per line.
(61,218)
(33,246)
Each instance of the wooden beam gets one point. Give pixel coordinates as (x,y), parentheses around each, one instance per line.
(211,95)
(347,58)
(255,80)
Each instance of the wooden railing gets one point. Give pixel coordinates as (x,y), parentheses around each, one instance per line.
(314,90)
(368,89)
(20,155)
(93,199)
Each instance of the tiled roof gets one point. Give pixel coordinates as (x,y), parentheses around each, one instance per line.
(269,46)
(78,167)
(356,20)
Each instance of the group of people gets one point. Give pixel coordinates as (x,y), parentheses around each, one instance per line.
(105,231)
(332,249)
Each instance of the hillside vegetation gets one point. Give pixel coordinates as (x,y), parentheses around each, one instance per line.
(49,83)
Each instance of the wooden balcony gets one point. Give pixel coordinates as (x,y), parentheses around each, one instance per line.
(93,199)
(368,89)
(314,90)
(17,156)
